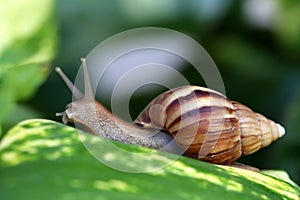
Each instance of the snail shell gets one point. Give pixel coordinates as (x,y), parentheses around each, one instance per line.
(209,126)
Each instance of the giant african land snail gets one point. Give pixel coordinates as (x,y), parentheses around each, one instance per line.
(204,123)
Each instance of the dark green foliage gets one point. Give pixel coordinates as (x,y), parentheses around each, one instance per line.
(41,159)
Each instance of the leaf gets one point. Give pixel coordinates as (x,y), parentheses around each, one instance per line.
(18,113)
(42,159)
(279,174)
(23,81)
(6,102)
(26,36)
(17,84)
(28,43)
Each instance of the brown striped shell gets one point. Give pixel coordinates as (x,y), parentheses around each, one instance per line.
(209,126)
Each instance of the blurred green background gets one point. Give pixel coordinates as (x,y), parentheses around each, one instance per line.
(254,43)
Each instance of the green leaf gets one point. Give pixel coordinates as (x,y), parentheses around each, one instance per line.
(18,113)
(28,43)
(23,81)
(28,32)
(6,102)
(279,174)
(17,84)
(42,159)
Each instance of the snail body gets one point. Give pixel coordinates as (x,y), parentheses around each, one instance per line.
(196,121)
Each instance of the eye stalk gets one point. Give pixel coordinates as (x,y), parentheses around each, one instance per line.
(77,94)
(88,95)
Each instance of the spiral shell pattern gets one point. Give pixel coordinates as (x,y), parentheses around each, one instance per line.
(207,125)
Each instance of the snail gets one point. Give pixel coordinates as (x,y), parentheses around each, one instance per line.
(199,122)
